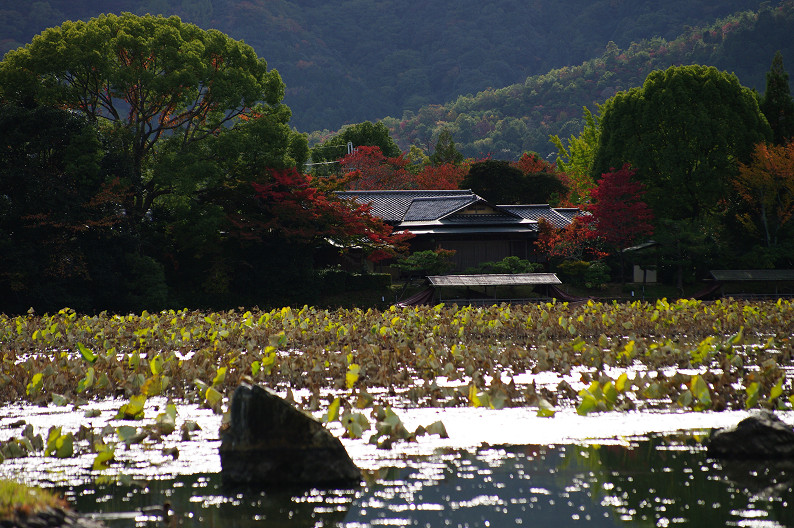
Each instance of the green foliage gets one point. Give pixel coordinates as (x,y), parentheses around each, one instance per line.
(427,262)
(366,133)
(203,82)
(500,182)
(697,394)
(597,274)
(355,353)
(508,265)
(505,122)
(445,151)
(682,132)
(577,159)
(58,444)
(128,210)
(777,103)
(598,397)
(573,271)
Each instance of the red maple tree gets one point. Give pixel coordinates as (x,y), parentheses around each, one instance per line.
(619,215)
(300,212)
(369,170)
(441,177)
(531,163)
(576,241)
(374,171)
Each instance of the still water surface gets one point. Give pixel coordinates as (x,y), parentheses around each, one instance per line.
(651,481)
(497,468)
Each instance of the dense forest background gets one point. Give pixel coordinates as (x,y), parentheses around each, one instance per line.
(502,75)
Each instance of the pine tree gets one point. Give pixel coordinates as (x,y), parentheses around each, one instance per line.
(777,103)
(445,150)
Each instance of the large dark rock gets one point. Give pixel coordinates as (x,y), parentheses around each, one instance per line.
(762,435)
(270,442)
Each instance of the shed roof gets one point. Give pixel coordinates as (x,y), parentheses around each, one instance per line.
(752,275)
(494,279)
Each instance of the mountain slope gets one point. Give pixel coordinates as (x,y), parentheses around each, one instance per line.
(504,123)
(355,60)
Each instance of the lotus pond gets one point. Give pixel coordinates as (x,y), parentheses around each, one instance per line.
(459,416)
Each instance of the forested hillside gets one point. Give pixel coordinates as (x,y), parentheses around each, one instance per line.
(346,62)
(503,123)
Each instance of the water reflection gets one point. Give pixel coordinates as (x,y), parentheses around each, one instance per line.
(647,482)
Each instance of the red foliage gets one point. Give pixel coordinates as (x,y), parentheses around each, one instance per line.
(372,171)
(375,171)
(575,242)
(532,163)
(441,177)
(619,216)
(299,212)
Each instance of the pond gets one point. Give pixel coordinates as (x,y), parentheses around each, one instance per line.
(505,467)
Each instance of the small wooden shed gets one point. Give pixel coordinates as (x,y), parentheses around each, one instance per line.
(761,283)
(493,288)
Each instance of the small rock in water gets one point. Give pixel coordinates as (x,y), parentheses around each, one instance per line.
(762,435)
(270,442)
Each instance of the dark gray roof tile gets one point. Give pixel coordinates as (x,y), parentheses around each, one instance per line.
(392,206)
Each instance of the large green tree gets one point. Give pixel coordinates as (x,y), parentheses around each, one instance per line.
(683,132)
(777,103)
(156,84)
(187,121)
(501,182)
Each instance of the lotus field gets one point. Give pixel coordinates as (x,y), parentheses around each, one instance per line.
(360,366)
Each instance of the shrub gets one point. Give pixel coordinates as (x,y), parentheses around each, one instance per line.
(573,271)
(597,274)
(509,265)
(582,273)
(426,262)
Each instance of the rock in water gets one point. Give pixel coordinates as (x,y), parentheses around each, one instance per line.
(271,442)
(762,435)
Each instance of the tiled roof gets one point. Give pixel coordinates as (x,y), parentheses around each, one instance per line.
(392,206)
(568,212)
(427,208)
(434,208)
(558,217)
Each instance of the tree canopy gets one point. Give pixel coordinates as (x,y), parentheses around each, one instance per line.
(445,151)
(502,182)
(683,132)
(766,189)
(362,134)
(148,81)
(777,103)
